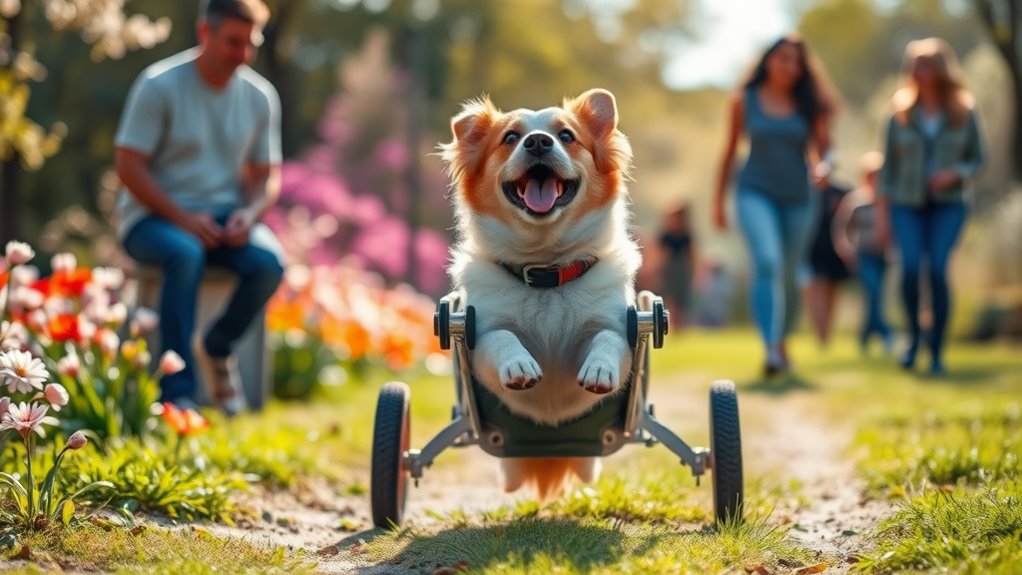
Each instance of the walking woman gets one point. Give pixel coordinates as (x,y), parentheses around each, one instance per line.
(784,109)
(933,148)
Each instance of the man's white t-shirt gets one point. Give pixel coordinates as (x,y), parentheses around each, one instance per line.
(198,138)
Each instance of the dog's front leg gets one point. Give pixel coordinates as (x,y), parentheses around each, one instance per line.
(500,356)
(605,364)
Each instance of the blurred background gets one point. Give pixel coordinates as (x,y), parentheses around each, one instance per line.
(368,88)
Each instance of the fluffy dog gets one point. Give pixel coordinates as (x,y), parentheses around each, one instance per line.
(545,257)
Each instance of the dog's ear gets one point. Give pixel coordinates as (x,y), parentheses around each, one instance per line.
(597,109)
(469,129)
(470,125)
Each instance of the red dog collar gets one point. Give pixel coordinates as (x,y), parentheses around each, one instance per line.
(548,276)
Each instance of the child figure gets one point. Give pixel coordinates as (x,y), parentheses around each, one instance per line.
(860,238)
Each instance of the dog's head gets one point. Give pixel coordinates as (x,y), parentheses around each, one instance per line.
(528,168)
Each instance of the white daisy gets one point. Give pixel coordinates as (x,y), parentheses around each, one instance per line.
(21,372)
(26,418)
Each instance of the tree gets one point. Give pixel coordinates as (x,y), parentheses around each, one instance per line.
(24,143)
(1003,21)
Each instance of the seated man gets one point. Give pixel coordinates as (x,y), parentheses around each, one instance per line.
(198,152)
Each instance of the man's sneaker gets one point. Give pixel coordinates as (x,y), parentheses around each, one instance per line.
(226,388)
(223,384)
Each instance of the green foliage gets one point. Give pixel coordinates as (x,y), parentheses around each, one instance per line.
(963,530)
(34,504)
(144,477)
(112,396)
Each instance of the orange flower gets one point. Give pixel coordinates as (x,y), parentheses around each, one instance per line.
(64,327)
(184,422)
(284,315)
(399,351)
(70,283)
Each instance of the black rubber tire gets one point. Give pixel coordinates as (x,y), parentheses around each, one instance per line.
(726,450)
(388,488)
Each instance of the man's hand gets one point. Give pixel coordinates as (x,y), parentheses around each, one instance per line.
(238,227)
(943,179)
(204,227)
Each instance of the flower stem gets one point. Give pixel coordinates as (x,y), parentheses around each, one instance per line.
(30,519)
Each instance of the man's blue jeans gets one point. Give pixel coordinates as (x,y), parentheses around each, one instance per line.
(871,274)
(183,259)
(930,232)
(777,236)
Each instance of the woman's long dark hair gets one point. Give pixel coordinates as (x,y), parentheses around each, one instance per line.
(812,92)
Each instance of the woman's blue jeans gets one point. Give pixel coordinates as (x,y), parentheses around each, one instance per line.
(777,236)
(929,232)
(183,259)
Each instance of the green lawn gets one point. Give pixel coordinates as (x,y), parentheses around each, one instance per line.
(944,452)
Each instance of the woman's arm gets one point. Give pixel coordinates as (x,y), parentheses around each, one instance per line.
(975,148)
(736,124)
(820,153)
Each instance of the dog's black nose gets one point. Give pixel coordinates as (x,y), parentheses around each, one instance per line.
(538,143)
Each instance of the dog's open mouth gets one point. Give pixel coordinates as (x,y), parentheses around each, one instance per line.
(539,191)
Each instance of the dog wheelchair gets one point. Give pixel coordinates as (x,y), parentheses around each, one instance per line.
(479,418)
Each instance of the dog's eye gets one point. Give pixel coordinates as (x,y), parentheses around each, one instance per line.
(566,136)
(511,137)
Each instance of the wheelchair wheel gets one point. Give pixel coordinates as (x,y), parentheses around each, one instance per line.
(389,482)
(726,450)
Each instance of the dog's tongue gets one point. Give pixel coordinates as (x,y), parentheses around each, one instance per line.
(540,196)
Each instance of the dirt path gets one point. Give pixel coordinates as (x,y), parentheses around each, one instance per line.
(781,434)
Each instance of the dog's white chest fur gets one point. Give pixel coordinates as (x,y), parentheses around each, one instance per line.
(551,354)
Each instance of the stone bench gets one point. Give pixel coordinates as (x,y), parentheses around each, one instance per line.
(255,358)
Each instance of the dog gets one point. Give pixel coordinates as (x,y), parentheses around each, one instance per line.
(545,257)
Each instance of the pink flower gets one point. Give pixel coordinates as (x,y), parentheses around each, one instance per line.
(26,418)
(171,362)
(27,298)
(108,278)
(21,372)
(77,440)
(64,262)
(145,321)
(109,343)
(56,395)
(69,365)
(18,253)
(37,320)
(12,335)
(5,403)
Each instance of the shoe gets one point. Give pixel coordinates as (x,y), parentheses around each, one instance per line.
(937,368)
(224,385)
(908,357)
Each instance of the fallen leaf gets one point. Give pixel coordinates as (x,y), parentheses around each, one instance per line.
(327,551)
(25,553)
(757,570)
(136,531)
(201,533)
(812,569)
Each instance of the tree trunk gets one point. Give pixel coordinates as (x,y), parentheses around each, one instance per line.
(1016,137)
(416,96)
(277,67)
(10,171)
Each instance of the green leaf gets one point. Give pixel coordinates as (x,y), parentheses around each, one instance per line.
(9,480)
(67,511)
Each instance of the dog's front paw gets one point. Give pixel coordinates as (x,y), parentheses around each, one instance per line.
(520,372)
(599,374)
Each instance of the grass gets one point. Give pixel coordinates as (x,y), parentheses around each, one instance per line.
(149,551)
(526,545)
